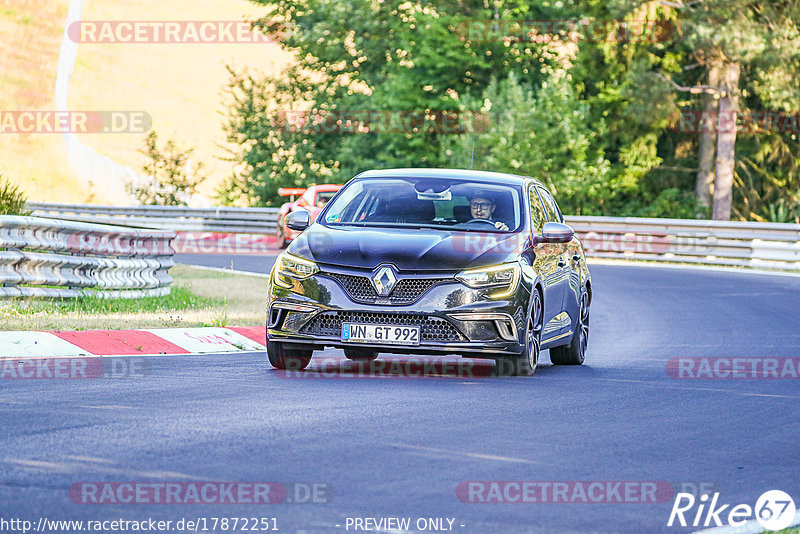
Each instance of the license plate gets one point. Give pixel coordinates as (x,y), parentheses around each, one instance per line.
(380,333)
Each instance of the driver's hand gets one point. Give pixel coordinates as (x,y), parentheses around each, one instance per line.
(500,225)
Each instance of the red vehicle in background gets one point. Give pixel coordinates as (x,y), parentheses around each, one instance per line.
(312,199)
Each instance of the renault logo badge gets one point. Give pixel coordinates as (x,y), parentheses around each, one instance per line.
(384,281)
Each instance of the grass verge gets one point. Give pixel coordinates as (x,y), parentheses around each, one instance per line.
(198,298)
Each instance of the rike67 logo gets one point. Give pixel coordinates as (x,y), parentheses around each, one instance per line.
(774,510)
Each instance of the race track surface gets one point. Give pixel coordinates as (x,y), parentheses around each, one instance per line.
(400,447)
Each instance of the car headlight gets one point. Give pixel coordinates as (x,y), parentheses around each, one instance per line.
(504,277)
(289,267)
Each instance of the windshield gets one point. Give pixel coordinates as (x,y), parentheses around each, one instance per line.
(440,202)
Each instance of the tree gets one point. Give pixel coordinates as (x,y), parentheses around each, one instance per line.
(708,147)
(612,73)
(546,135)
(618,151)
(174,179)
(360,55)
(727,36)
(655,164)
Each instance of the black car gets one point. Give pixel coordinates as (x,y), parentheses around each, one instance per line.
(433,262)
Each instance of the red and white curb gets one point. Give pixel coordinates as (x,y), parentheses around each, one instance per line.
(150,342)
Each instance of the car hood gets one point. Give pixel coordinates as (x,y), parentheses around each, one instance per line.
(405,248)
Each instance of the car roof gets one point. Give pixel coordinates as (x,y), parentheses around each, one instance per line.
(488,176)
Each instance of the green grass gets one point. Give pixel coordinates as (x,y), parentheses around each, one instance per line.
(197,298)
(180,298)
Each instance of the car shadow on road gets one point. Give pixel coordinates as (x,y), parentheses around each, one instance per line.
(399,366)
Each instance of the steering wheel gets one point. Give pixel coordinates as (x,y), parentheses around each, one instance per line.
(480,220)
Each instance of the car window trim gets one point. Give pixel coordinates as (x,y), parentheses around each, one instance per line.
(531,187)
(541,199)
(541,202)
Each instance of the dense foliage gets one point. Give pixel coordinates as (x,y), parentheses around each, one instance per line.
(597,116)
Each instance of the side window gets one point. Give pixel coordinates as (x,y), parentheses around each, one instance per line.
(537,213)
(550,206)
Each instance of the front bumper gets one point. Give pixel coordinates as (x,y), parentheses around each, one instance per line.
(453,318)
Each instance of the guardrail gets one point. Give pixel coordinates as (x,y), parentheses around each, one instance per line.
(75,259)
(178,218)
(746,244)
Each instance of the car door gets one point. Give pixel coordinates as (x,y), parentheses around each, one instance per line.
(568,269)
(546,263)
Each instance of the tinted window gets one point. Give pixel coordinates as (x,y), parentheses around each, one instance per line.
(440,202)
(537,212)
(550,206)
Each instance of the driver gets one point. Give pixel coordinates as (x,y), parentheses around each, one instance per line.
(482,207)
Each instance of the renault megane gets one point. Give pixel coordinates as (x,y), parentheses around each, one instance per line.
(432,262)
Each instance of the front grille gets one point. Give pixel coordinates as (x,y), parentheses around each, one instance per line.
(432,329)
(407,290)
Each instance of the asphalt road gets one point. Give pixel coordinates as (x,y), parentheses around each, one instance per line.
(400,447)
(256,263)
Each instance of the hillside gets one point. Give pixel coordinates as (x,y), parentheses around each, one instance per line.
(179,85)
(30,36)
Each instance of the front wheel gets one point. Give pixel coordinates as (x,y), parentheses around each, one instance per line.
(527,362)
(287,359)
(575,352)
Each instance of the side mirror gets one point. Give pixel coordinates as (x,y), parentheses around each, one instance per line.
(298,220)
(554,232)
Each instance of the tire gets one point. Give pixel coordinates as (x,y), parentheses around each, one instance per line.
(527,362)
(360,355)
(575,352)
(287,359)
